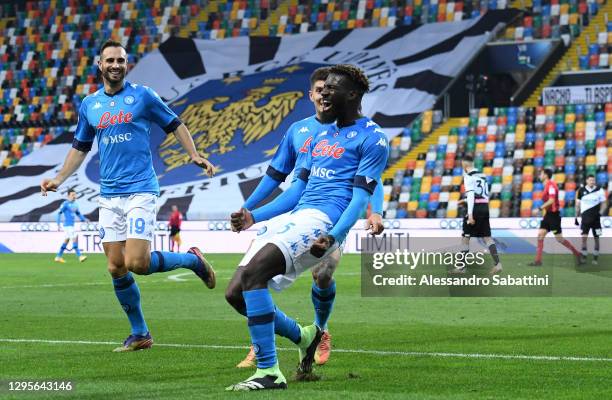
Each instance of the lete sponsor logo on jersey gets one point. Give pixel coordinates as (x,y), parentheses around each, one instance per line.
(324,149)
(107,119)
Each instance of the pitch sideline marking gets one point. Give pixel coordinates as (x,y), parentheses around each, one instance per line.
(349,351)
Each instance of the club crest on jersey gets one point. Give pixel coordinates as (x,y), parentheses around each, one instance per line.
(107,119)
(129,100)
(351,134)
(324,149)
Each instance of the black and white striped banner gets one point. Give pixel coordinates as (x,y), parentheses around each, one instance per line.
(408,68)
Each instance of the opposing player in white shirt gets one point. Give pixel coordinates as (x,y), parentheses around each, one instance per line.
(476,221)
(591,203)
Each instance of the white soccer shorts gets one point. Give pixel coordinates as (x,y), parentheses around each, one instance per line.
(127,217)
(293,233)
(69,232)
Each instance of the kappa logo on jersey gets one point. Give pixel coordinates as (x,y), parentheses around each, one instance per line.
(119,138)
(97,105)
(324,149)
(370,123)
(381,142)
(304,129)
(322,172)
(107,119)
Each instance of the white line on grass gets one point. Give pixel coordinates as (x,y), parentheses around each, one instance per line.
(349,351)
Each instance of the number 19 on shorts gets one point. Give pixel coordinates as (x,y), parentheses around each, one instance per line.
(137,225)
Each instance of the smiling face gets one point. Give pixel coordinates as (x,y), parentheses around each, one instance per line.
(113,65)
(317,100)
(337,94)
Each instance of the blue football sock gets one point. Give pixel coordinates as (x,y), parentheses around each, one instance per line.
(75,246)
(164,261)
(62,250)
(323,301)
(128,295)
(260,313)
(285,326)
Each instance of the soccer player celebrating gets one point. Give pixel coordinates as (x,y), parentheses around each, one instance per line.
(476,221)
(175,228)
(590,204)
(291,152)
(69,209)
(552,219)
(335,181)
(120,116)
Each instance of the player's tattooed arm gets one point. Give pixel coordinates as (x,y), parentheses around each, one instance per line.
(73,161)
(184,137)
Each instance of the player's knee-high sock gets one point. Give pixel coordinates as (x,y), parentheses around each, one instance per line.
(493,251)
(540,250)
(584,246)
(323,301)
(128,295)
(164,261)
(570,247)
(285,326)
(62,250)
(75,246)
(596,250)
(260,313)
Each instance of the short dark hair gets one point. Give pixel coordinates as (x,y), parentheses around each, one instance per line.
(590,176)
(548,173)
(319,74)
(110,43)
(355,74)
(71,191)
(468,158)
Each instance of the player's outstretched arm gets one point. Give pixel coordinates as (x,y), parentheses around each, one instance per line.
(348,218)
(283,203)
(265,187)
(73,161)
(374,222)
(184,137)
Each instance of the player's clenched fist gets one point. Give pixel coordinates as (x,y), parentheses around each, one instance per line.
(205,164)
(241,220)
(49,185)
(321,245)
(374,224)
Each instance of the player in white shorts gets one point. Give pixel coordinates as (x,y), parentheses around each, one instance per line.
(333,187)
(120,116)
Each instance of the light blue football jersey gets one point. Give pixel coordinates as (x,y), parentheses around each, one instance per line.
(69,210)
(121,123)
(339,159)
(293,148)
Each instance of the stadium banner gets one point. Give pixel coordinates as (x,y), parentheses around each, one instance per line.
(511,234)
(562,95)
(238,97)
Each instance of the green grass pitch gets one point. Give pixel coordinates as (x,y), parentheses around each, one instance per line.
(62,321)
